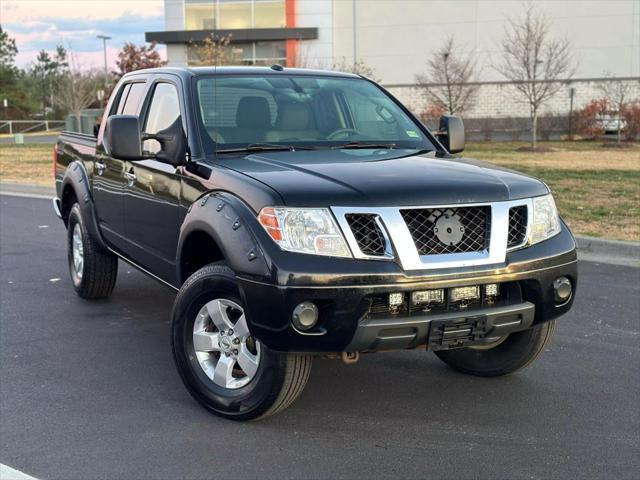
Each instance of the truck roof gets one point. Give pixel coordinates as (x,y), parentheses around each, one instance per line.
(239,70)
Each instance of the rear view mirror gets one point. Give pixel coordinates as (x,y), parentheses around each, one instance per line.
(122,136)
(451,133)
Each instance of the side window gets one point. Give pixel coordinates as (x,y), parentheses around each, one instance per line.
(123,98)
(163,112)
(133,99)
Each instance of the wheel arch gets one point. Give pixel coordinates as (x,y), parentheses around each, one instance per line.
(224,224)
(75,188)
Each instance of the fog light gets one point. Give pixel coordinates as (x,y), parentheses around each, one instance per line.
(427,296)
(396,299)
(465,293)
(305,316)
(491,290)
(562,289)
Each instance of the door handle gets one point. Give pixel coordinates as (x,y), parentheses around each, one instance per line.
(131,178)
(100,167)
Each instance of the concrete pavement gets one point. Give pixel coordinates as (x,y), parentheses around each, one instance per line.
(89,390)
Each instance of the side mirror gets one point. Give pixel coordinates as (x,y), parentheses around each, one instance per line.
(451,133)
(122,136)
(173,143)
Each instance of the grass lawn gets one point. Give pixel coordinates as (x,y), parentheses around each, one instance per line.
(31,163)
(597,189)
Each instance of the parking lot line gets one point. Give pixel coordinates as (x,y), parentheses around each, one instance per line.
(8,473)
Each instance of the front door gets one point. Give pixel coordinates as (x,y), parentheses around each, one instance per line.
(109,172)
(153,191)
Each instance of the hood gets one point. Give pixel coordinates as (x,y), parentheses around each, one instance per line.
(381,178)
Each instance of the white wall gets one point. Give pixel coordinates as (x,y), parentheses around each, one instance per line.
(396,37)
(316,13)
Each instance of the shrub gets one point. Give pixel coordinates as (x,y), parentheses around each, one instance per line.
(631,115)
(585,120)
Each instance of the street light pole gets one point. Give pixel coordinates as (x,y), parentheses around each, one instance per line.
(104,39)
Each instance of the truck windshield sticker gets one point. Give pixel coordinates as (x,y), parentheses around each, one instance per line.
(413,133)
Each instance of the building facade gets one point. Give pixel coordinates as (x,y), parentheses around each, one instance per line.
(395,38)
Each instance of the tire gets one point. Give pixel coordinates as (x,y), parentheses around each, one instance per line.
(95,275)
(208,304)
(511,354)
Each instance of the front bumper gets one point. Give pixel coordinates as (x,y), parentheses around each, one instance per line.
(343,289)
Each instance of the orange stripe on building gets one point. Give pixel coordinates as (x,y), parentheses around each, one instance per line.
(291,45)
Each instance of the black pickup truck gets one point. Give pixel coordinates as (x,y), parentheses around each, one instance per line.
(302,213)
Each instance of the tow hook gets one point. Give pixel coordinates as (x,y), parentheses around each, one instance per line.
(349,357)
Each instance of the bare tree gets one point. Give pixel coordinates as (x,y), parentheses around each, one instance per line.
(214,50)
(77,89)
(359,68)
(617,93)
(448,80)
(534,61)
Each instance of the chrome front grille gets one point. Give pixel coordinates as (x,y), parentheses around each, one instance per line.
(367,233)
(517,226)
(436,236)
(437,231)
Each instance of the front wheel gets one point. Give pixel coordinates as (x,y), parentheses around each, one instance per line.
(223,367)
(506,355)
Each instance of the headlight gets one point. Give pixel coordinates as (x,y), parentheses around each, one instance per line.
(304,230)
(545,223)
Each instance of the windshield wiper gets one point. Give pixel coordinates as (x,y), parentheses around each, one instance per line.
(264,147)
(352,145)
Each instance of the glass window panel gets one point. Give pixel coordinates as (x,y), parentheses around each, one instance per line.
(301,110)
(271,50)
(164,110)
(270,14)
(133,99)
(123,98)
(235,14)
(200,16)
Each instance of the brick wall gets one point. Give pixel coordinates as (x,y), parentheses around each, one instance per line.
(497,100)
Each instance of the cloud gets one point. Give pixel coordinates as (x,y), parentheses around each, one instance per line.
(41,25)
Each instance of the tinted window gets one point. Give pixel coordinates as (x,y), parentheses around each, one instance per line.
(319,112)
(133,99)
(163,112)
(123,98)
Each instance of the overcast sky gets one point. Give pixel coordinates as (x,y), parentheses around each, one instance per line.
(43,24)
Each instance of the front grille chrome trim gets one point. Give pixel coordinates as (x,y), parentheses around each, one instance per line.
(400,243)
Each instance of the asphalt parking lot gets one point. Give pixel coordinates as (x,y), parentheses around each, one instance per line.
(89,390)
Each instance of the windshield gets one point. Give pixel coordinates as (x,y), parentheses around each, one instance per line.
(301,111)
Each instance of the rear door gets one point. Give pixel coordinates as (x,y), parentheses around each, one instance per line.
(153,189)
(109,178)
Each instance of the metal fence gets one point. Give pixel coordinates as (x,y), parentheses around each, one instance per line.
(30,126)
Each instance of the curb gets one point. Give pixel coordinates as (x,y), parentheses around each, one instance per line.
(25,190)
(617,252)
(592,249)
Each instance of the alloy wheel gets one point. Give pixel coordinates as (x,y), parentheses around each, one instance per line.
(223,345)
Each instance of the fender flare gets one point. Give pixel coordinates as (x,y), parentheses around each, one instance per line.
(229,222)
(76,178)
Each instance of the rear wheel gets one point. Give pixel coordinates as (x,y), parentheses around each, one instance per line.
(506,355)
(222,365)
(93,271)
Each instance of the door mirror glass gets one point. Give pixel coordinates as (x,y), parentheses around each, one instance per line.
(172,141)
(164,136)
(122,137)
(451,133)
